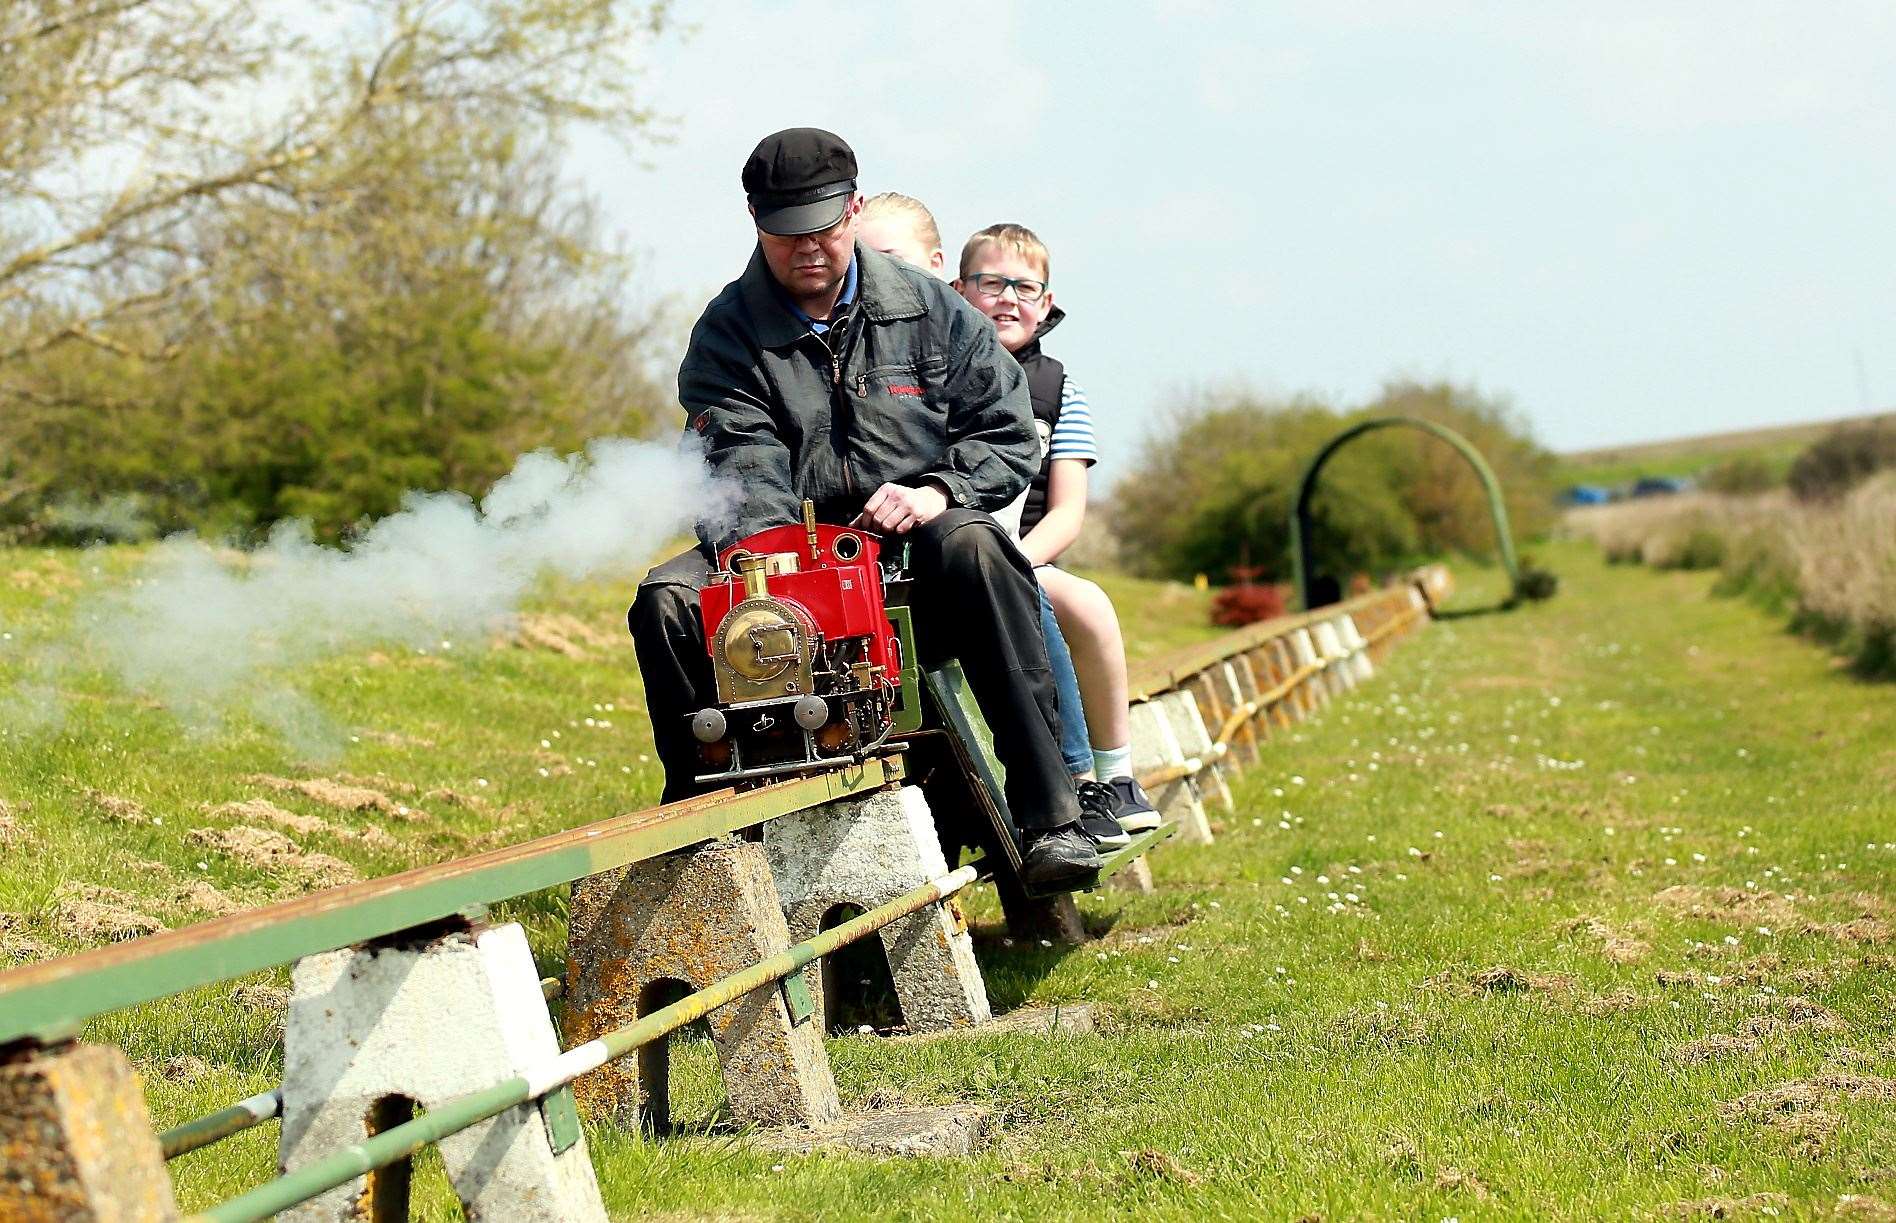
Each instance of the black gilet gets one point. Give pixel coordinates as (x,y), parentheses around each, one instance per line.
(1045,378)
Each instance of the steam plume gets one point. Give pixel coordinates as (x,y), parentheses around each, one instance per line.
(199,632)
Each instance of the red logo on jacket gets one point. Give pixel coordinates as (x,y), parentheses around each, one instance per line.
(912,392)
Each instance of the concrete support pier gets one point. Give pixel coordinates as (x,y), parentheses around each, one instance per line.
(1354,642)
(1317,689)
(376,1030)
(642,933)
(1155,746)
(864,852)
(76,1142)
(1194,738)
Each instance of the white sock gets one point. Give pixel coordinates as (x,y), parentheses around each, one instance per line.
(1113,762)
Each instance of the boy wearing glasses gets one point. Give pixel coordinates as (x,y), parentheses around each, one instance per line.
(1004,274)
(902,227)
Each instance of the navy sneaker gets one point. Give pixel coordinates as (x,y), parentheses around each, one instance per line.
(1132,808)
(1098,802)
(1059,860)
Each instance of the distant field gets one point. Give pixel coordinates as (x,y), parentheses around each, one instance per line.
(1777,446)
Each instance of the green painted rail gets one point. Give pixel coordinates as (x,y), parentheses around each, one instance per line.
(48,1001)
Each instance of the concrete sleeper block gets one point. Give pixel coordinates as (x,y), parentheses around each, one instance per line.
(1330,651)
(1155,746)
(418,1024)
(1358,647)
(690,918)
(1195,742)
(865,852)
(1313,692)
(77,1141)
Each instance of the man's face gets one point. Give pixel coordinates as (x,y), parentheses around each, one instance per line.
(813,265)
(896,236)
(1014,320)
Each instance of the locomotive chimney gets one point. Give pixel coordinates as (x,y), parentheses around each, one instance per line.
(751,569)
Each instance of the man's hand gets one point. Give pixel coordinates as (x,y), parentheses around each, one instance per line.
(897,509)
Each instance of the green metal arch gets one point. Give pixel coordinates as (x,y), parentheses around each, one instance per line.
(1306,488)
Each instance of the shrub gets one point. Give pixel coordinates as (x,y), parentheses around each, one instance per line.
(1846,563)
(1703,548)
(1248,603)
(1739,475)
(1843,458)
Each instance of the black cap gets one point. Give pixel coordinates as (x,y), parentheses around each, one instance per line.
(800,180)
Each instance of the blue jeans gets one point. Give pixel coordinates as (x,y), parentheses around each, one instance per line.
(1075,748)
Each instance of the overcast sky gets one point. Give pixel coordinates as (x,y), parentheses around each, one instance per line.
(1634,220)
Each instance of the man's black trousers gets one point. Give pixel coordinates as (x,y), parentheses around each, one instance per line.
(974,599)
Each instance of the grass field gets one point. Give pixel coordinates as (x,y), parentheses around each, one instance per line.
(1581,910)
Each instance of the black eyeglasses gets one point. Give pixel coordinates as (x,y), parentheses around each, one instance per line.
(987,284)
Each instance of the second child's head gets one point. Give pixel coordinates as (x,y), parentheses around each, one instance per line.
(902,227)
(1004,270)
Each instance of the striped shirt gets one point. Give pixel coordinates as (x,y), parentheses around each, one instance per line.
(1072,439)
(1073,432)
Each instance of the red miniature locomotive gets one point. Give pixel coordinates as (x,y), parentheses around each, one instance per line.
(811,645)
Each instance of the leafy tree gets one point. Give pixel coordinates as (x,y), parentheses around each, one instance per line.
(1215,486)
(343,265)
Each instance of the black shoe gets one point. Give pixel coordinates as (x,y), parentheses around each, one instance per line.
(1097,804)
(1132,808)
(1058,860)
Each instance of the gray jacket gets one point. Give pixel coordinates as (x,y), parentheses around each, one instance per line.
(910,384)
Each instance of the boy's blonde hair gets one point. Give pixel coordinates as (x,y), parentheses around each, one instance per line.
(895,204)
(1021,240)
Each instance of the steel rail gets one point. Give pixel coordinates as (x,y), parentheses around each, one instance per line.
(1264,700)
(201,1132)
(252,1111)
(1169,671)
(1401,620)
(454,1115)
(47,1001)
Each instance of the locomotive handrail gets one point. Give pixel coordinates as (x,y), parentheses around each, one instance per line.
(47,1001)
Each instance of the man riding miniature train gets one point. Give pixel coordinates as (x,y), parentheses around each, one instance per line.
(832,373)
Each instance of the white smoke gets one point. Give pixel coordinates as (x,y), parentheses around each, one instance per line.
(205,631)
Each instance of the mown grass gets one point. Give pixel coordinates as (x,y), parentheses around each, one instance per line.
(1829,567)
(1569,844)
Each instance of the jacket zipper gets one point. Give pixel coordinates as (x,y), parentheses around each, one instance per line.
(839,394)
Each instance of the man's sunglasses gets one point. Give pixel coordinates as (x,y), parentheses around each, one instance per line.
(987,284)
